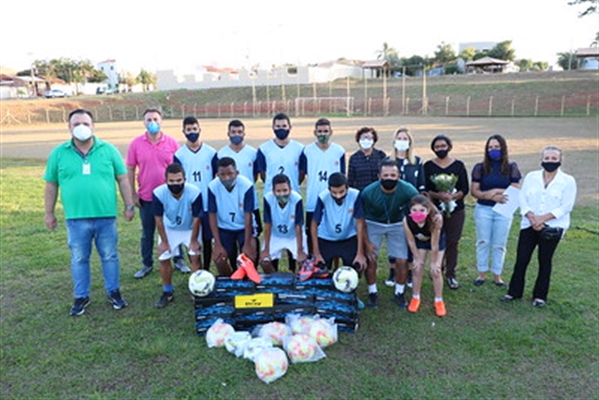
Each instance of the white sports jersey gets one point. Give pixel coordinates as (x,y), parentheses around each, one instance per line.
(244,160)
(178,214)
(198,167)
(281,160)
(284,219)
(230,207)
(320,164)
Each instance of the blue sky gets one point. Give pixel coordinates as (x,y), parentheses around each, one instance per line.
(179,34)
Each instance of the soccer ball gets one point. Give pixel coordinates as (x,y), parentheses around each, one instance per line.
(345,279)
(201,283)
(275,331)
(271,363)
(301,348)
(218,333)
(324,332)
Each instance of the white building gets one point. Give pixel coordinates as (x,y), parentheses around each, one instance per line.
(109,69)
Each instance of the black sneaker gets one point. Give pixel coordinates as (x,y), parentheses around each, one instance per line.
(79,306)
(453,284)
(401,300)
(116,300)
(166,298)
(373,300)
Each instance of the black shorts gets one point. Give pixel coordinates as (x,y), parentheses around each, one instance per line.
(344,249)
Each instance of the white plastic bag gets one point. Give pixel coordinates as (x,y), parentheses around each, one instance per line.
(302,348)
(217,333)
(271,364)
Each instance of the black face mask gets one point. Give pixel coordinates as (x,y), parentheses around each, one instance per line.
(281,134)
(339,200)
(176,188)
(441,153)
(550,166)
(389,184)
(192,137)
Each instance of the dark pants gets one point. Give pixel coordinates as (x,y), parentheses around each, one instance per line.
(308,233)
(148,227)
(452,227)
(527,241)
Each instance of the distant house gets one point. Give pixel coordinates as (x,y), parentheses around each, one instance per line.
(112,75)
(489,65)
(588,58)
(13,86)
(376,68)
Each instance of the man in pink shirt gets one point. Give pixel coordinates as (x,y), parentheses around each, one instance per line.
(149,155)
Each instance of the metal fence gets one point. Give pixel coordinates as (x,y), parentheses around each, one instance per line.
(452,106)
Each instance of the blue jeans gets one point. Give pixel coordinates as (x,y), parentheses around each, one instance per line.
(81,233)
(492,230)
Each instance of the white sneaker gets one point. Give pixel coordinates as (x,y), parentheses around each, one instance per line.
(389,283)
(180,265)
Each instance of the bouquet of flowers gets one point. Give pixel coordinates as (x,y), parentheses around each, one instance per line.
(446,183)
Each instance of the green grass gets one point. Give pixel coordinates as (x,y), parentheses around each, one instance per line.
(482,349)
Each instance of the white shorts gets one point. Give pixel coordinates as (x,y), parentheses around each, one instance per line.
(397,245)
(278,244)
(176,238)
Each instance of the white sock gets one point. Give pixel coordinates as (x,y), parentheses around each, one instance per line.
(372,288)
(416,296)
(438,299)
(399,288)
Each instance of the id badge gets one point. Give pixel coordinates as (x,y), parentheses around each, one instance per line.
(87,169)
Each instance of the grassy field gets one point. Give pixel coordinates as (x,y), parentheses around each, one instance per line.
(482,349)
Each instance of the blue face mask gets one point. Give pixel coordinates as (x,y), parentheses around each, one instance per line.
(282,133)
(236,140)
(192,137)
(153,127)
(495,154)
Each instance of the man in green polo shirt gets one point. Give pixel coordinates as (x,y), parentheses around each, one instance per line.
(86,171)
(384,202)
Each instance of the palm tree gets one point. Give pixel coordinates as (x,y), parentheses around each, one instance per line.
(146,79)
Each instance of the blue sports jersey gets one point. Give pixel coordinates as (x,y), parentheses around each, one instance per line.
(178,214)
(337,222)
(230,207)
(283,219)
(319,165)
(245,160)
(272,160)
(199,166)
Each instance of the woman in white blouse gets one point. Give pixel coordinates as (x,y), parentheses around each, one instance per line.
(546,200)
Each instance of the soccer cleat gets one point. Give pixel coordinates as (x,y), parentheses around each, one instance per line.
(145,270)
(306,269)
(400,298)
(244,262)
(238,274)
(361,304)
(167,297)
(440,309)
(79,306)
(320,271)
(180,265)
(373,300)
(116,300)
(414,305)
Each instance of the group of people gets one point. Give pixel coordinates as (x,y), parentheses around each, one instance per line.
(203,203)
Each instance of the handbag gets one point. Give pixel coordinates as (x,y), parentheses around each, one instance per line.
(552,233)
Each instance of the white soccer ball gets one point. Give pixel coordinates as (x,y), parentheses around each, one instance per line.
(345,279)
(201,283)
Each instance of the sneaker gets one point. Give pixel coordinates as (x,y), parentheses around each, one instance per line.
(538,303)
(409,283)
(414,305)
(320,271)
(180,265)
(79,306)
(116,300)
(166,298)
(440,309)
(400,298)
(373,300)
(145,270)
(306,269)
(390,281)
(453,284)
(245,263)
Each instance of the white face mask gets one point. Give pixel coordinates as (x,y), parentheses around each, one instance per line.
(366,143)
(82,132)
(402,145)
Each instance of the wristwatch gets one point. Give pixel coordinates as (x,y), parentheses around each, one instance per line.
(129,208)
